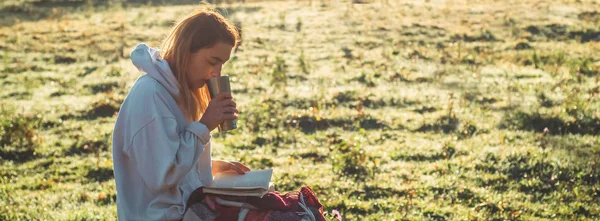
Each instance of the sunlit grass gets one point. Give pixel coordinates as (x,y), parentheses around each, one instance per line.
(389,110)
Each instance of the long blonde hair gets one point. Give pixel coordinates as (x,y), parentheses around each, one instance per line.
(202,28)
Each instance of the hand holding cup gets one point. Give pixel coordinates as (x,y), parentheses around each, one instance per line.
(221,108)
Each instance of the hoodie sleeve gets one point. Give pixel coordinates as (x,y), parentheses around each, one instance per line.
(162,155)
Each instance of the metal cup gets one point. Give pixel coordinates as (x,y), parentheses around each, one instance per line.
(215,86)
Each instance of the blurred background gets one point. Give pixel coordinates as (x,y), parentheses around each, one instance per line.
(388,109)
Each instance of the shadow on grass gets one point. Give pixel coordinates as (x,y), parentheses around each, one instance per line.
(100,174)
(314,156)
(448,151)
(17,155)
(104,107)
(310,124)
(348,99)
(584,124)
(560,32)
(444,123)
(539,176)
(373,192)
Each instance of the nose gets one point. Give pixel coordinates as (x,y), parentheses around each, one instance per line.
(217,71)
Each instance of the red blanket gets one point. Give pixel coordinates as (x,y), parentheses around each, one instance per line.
(272,206)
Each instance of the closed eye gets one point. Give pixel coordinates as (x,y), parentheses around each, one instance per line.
(217,59)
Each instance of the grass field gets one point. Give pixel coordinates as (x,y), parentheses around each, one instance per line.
(389,110)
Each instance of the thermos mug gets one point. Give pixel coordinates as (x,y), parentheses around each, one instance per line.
(215,86)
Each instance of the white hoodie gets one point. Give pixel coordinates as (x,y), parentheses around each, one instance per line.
(159,157)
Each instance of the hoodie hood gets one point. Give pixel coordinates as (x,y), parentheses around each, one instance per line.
(148,60)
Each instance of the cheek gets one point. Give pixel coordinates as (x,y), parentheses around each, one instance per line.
(200,71)
(195,72)
(206,72)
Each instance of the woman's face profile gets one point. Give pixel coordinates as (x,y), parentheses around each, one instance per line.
(206,63)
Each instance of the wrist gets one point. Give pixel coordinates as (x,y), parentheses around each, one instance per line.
(208,126)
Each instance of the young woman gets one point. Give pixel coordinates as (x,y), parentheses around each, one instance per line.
(161,139)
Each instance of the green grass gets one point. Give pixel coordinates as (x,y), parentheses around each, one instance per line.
(405,110)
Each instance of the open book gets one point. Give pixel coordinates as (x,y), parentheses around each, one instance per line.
(253,183)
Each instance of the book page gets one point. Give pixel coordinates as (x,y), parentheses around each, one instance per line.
(237,192)
(251,180)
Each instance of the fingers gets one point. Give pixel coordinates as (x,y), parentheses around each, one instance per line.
(229,113)
(229,166)
(242,166)
(222,107)
(222,96)
(230,116)
(229,110)
(225,102)
(228,102)
(235,167)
